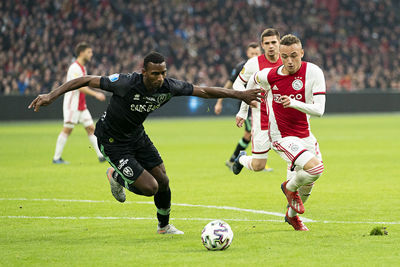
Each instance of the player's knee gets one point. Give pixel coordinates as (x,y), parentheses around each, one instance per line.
(150,189)
(163,183)
(258,165)
(316,170)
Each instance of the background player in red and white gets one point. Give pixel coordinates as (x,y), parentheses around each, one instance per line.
(260,142)
(253,50)
(74,107)
(298,92)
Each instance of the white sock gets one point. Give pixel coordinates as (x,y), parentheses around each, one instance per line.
(304,192)
(61,140)
(305,177)
(246,162)
(93,141)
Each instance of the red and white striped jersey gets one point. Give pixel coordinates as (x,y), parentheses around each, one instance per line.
(306,88)
(75,100)
(259,114)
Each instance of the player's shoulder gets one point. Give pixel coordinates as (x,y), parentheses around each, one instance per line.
(252,62)
(313,67)
(74,67)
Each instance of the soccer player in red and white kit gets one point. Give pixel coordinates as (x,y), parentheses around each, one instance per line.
(260,143)
(74,107)
(297,90)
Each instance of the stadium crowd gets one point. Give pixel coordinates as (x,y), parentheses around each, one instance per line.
(355,42)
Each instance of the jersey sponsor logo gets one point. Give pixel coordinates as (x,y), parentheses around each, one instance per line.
(122,163)
(297,84)
(275,87)
(292,96)
(136,97)
(127,171)
(114,77)
(144,107)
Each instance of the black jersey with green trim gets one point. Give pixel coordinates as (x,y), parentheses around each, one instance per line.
(131,103)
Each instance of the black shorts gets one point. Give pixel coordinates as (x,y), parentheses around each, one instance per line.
(129,159)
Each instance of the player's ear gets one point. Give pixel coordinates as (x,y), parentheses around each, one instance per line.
(302,53)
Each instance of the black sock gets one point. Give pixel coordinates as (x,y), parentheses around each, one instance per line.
(163,204)
(242,145)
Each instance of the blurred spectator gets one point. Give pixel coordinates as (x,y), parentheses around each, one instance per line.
(356,42)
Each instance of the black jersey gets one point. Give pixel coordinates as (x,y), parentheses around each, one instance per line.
(131,103)
(236,71)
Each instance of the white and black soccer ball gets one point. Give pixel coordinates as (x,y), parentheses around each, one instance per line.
(217,235)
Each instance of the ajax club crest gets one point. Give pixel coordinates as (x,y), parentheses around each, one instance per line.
(297,84)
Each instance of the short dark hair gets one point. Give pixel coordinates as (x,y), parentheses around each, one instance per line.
(270,32)
(153,57)
(252,45)
(290,39)
(82,46)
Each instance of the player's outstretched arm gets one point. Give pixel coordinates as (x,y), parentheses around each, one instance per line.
(219,92)
(47,99)
(218,105)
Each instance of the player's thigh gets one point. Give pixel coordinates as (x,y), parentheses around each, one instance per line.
(293,151)
(260,144)
(311,144)
(85,118)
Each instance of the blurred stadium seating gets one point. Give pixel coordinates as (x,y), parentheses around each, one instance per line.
(355,42)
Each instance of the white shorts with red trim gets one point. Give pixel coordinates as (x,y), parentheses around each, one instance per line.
(260,144)
(72,117)
(297,151)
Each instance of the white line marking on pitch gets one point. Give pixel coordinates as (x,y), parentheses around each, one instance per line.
(175,204)
(129,218)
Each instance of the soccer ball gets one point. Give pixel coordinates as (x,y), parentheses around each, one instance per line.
(217,235)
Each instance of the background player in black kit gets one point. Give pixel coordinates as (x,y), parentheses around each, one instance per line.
(136,163)
(253,50)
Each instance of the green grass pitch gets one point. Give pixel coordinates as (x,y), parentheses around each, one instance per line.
(53,215)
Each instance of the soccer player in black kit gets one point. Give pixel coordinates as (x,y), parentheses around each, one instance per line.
(135,162)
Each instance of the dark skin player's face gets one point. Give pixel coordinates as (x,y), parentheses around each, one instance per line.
(153,75)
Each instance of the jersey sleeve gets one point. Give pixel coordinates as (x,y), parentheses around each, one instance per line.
(179,88)
(116,83)
(261,78)
(319,86)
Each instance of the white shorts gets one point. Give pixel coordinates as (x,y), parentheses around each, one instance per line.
(297,151)
(72,117)
(260,144)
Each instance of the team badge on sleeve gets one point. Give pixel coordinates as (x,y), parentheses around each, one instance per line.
(114,77)
(242,71)
(257,78)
